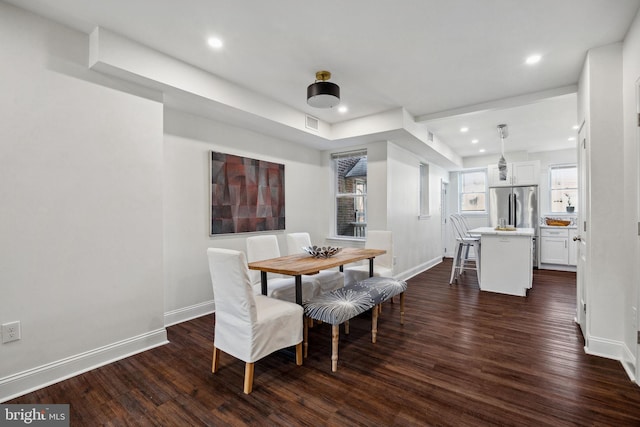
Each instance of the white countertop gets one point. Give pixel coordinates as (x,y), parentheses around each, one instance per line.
(517,232)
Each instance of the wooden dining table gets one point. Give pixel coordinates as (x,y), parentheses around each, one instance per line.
(303,264)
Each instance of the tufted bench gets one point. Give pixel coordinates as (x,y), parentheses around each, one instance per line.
(341,305)
(383,289)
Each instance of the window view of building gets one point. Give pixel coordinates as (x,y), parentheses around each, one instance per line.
(351,193)
(563,188)
(473,191)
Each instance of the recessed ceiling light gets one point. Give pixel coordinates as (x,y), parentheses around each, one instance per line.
(343,109)
(474,141)
(464,129)
(482,150)
(533,59)
(571,139)
(576,127)
(214,42)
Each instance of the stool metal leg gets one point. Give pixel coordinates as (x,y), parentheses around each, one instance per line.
(477,249)
(456,256)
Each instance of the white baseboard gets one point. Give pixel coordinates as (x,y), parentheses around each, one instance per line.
(604,348)
(616,350)
(51,373)
(408,274)
(187,313)
(629,363)
(558,267)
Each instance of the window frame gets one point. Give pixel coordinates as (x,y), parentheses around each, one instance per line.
(551,189)
(461,194)
(359,184)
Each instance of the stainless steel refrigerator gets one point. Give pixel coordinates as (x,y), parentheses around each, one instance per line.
(518,205)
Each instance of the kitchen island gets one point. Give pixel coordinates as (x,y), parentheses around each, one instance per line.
(506,265)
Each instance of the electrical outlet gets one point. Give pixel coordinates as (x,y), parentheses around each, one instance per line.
(10,332)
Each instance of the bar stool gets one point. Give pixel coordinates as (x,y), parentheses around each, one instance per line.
(464,241)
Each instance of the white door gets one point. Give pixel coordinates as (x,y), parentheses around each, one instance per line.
(638,218)
(444,217)
(582,234)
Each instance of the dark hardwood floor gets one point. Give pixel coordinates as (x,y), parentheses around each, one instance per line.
(463,358)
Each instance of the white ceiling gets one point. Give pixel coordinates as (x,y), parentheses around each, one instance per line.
(435,58)
(543,125)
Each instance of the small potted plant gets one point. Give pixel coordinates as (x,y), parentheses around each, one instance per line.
(570,207)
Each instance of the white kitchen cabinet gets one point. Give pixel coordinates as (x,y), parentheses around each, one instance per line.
(557,246)
(507,260)
(554,250)
(518,173)
(494,176)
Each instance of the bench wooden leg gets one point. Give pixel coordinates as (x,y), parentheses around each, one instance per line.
(346,327)
(335,333)
(402,308)
(374,323)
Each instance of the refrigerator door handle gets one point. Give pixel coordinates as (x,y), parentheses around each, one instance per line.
(509,203)
(515,211)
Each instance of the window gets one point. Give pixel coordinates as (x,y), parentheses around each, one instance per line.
(473,191)
(563,188)
(350,171)
(424,189)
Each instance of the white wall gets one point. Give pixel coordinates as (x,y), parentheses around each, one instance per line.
(600,103)
(630,94)
(418,242)
(377,186)
(393,182)
(187,142)
(81,217)
(490,159)
(546,159)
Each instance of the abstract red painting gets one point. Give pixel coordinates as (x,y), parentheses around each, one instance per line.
(246,194)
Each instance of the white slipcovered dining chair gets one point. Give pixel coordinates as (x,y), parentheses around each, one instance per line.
(248,326)
(327,280)
(266,247)
(382,265)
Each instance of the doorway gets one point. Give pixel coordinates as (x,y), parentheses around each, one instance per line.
(638,237)
(444,216)
(582,234)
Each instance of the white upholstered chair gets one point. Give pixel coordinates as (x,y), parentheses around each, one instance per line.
(266,247)
(327,280)
(382,265)
(248,326)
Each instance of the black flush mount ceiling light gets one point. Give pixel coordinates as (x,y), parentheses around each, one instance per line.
(323,94)
(502,163)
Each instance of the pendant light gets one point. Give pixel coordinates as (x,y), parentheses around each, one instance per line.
(502,163)
(323,94)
